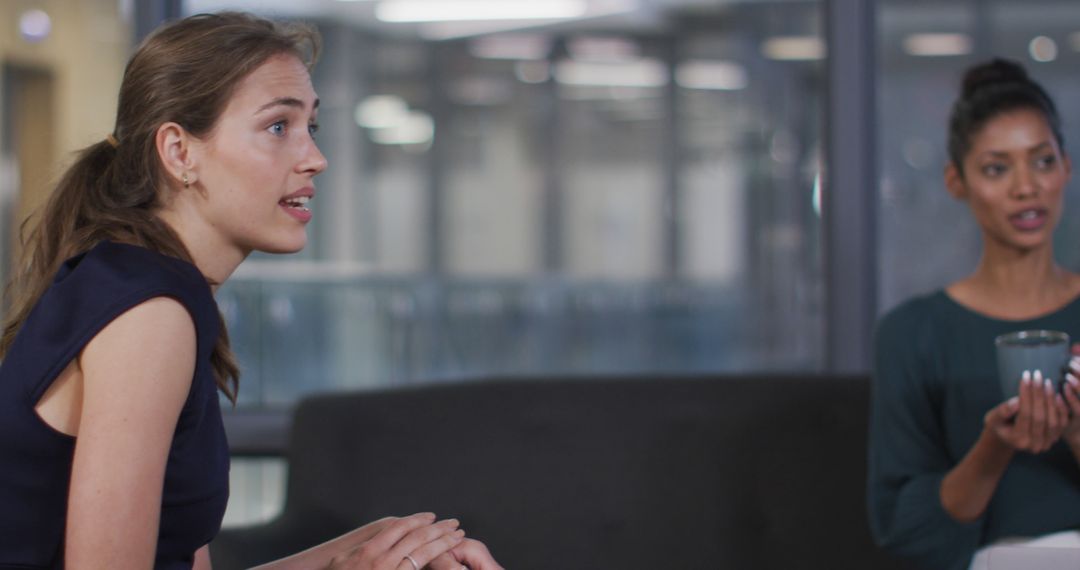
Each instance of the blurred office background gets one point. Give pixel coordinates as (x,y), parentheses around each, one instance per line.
(596,187)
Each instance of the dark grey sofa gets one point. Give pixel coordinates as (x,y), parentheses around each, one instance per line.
(748,472)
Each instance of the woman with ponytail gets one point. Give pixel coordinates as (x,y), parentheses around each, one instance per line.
(112,448)
(955,471)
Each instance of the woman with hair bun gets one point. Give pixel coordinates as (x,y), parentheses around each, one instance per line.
(953,469)
(112,447)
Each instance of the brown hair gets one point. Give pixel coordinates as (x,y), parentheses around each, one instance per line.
(185,72)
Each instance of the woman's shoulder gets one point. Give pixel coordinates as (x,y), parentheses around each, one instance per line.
(914,310)
(140,263)
(914,323)
(119,267)
(112,274)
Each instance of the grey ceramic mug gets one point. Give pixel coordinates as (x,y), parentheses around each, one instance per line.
(1042,350)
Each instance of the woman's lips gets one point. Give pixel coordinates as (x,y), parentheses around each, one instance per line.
(297,208)
(1029,220)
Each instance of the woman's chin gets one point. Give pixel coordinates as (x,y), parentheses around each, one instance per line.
(284,246)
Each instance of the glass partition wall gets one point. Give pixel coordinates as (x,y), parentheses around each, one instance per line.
(593,199)
(552,202)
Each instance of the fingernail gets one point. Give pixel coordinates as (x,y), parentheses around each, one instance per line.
(1026,377)
(1072,379)
(1038,376)
(1015,400)
(1049,386)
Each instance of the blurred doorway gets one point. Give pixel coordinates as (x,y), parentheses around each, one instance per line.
(27,150)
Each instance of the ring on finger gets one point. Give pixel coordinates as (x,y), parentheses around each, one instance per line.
(413,562)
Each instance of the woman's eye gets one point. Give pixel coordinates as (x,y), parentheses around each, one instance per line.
(993,170)
(278,128)
(312,129)
(1047,162)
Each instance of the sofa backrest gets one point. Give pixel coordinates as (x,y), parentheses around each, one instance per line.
(667,472)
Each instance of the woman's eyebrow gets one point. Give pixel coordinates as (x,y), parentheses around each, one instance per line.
(288,102)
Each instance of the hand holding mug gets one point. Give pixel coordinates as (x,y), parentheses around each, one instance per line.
(1033,420)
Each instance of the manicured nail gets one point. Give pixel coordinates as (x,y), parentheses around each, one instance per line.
(1049,386)
(1074,362)
(1014,401)
(1025,377)
(1072,379)
(1037,376)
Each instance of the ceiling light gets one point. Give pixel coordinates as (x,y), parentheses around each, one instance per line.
(704,74)
(603,49)
(1043,49)
(471,10)
(520,47)
(937,45)
(641,73)
(35,25)
(380,111)
(416,128)
(794,48)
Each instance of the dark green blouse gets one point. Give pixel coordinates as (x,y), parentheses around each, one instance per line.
(935,377)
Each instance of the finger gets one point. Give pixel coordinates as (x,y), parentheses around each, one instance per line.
(1061,418)
(1023,417)
(1039,420)
(419,537)
(441,545)
(1062,412)
(1004,412)
(1072,391)
(1053,422)
(475,555)
(392,533)
(446,561)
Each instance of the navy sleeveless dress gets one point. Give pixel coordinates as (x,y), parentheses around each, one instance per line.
(88,292)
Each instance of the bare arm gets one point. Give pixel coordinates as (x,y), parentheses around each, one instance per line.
(136,375)
(202,559)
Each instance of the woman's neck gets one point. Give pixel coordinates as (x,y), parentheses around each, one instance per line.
(214,258)
(1014,284)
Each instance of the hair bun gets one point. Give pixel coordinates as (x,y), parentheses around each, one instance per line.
(994,72)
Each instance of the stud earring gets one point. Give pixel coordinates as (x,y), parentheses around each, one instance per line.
(184,179)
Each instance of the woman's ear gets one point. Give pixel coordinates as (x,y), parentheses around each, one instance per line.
(954,181)
(176,152)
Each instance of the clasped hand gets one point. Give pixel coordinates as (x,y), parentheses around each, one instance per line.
(417,541)
(1039,416)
